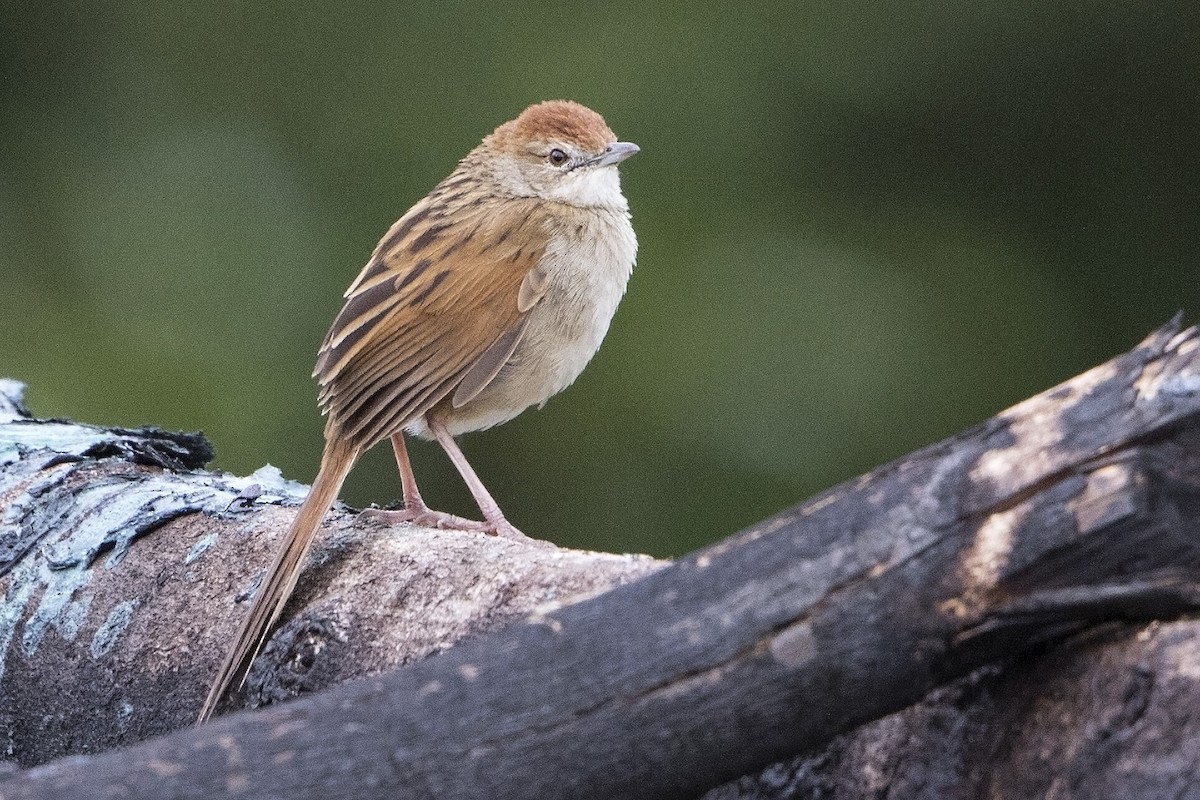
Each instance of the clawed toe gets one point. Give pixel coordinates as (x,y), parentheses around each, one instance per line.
(506,530)
(425,518)
(428,518)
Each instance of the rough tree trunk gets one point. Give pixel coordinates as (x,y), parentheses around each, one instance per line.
(1031,544)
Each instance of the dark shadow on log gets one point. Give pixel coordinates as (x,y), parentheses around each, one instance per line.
(1074,508)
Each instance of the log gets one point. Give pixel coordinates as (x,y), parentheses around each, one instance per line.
(1108,714)
(126,569)
(1070,510)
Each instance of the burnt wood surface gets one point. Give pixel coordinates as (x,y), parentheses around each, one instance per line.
(1108,714)
(1073,509)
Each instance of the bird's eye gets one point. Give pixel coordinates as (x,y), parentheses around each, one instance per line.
(557,157)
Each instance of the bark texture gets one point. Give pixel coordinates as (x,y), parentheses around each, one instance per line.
(125,569)
(1111,714)
(1029,546)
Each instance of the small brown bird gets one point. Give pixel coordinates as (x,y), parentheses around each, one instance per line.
(489,296)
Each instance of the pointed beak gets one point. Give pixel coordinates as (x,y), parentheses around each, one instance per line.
(615,153)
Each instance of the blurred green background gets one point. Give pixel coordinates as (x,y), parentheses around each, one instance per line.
(863,225)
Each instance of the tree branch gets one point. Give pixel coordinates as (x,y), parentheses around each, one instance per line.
(1074,507)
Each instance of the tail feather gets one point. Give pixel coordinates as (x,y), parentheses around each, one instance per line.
(281,576)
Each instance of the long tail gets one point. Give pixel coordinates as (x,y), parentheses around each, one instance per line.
(281,576)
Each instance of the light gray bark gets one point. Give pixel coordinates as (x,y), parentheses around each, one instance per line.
(126,569)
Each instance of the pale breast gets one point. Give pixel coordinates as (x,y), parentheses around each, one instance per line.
(587,268)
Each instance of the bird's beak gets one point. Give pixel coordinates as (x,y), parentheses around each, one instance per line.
(615,153)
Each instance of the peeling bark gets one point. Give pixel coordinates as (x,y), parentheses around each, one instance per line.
(1004,546)
(126,568)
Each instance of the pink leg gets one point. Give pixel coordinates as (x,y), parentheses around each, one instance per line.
(496,522)
(415,510)
(412,497)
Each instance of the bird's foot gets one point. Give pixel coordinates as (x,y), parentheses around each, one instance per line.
(428,518)
(424,517)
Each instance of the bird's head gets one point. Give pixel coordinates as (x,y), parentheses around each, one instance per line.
(558,150)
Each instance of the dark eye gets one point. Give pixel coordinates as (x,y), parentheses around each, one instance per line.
(558,157)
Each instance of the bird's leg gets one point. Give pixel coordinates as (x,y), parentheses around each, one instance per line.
(496,523)
(415,510)
(412,495)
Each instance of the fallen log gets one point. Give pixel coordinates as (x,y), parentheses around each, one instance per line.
(1071,509)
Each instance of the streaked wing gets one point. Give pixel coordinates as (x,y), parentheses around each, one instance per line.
(441,288)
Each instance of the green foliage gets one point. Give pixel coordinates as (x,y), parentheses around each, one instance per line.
(863,226)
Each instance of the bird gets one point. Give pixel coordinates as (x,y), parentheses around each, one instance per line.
(487,297)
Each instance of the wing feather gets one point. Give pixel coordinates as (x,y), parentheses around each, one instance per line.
(489,363)
(533,286)
(443,298)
